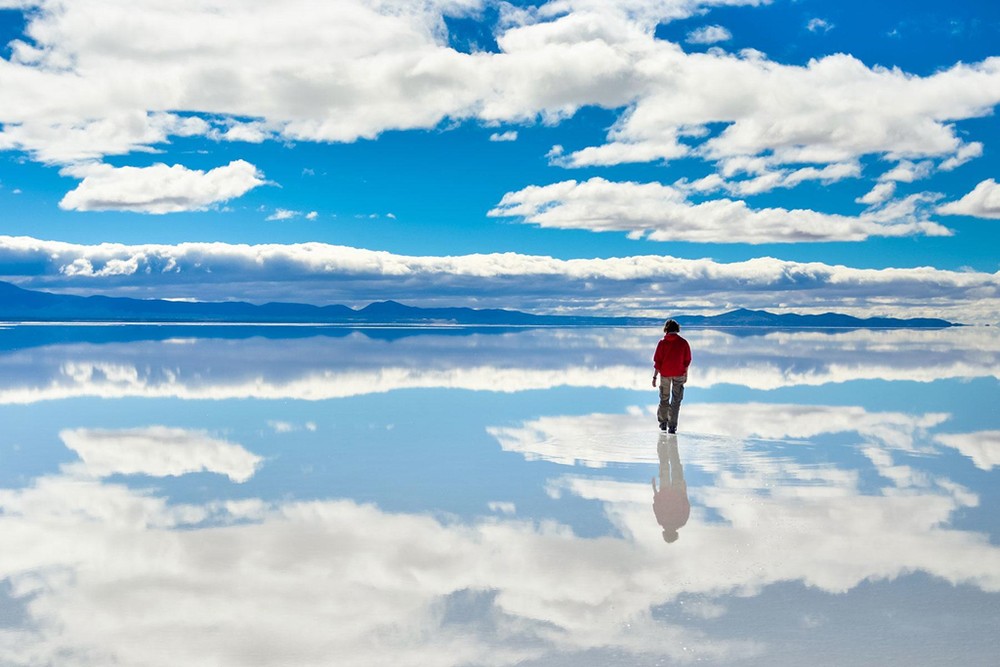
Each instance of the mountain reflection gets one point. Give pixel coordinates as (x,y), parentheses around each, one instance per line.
(351,363)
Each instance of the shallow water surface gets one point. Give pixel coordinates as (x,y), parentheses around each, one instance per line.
(322,496)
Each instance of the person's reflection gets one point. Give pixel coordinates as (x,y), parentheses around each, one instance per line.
(670,503)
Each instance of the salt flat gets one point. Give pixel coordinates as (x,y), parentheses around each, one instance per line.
(471,497)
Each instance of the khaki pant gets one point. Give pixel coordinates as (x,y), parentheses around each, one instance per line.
(671,395)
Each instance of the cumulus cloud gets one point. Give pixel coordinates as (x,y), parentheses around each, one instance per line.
(881,193)
(663,213)
(982,202)
(283,214)
(321,273)
(82,89)
(231,64)
(709,34)
(908,172)
(159,451)
(509,135)
(253,132)
(159,188)
(967,152)
(60,140)
(794,114)
(502,507)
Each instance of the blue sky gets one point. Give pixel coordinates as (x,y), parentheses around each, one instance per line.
(621,156)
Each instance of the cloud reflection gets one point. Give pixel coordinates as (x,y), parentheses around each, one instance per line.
(982,447)
(325,367)
(158,451)
(304,582)
(113,574)
(595,440)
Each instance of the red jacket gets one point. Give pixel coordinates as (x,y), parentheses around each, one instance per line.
(672,356)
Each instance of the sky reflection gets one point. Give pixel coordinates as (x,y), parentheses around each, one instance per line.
(517,524)
(354,363)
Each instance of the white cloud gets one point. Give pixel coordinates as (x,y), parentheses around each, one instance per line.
(502,507)
(312,215)
(281,427)
(159,451)
(881,193)
(61,141)
(795,114)
(663,213)
(283,214)
(321,273)
(509,135)
(231,63)
(159,188)
(968,152)
(789,178)
(819,25)
(907,171)
(768,173)
(982,447)
(709,34)
(146,72)
(982,202)
(254,132)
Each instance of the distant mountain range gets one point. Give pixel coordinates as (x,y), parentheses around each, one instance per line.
(761,318)
(21,305)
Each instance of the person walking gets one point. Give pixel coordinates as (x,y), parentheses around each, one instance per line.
(670,362)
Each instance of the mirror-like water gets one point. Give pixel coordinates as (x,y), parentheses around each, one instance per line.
(317,496)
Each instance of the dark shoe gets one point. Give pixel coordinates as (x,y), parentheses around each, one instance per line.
(663,426)
(672,429)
